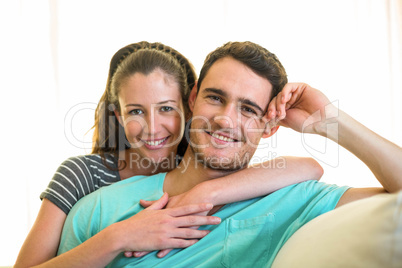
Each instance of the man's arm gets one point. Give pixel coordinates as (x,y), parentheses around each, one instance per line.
(306,109)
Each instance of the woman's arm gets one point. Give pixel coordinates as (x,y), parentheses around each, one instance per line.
(261,179)
(257,180)
(150,229)
(43,240)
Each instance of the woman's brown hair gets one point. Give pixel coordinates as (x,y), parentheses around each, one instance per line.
(142,57)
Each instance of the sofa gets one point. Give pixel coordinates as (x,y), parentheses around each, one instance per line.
(365,233)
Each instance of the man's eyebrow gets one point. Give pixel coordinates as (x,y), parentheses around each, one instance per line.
(251,103)
(241,100)
(216,91)
(140,105)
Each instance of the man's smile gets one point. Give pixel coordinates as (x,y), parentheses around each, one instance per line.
(221,136)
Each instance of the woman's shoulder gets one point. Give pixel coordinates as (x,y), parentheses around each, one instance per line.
(102,169)
(92,159)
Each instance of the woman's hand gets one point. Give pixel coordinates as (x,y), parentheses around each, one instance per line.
(156,228)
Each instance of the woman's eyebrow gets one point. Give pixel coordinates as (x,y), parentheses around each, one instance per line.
(133,104)
(140,105)
(166,101)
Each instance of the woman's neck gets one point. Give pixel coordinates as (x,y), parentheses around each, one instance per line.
(135,166)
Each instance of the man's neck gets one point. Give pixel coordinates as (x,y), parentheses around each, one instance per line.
(189,173)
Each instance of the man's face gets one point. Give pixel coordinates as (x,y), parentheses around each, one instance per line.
(227,115)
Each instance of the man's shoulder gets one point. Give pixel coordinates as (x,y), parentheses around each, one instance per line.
(308,194)
(131,189)
(310,187)
(310,191)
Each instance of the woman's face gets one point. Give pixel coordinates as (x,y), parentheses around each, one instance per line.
(151,112)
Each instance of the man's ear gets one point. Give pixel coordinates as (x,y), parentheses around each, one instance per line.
(193,96)
(268,132)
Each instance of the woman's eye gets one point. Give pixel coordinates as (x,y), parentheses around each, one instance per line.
(166,109)
(136,112)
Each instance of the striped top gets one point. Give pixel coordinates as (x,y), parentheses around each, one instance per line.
(77,177)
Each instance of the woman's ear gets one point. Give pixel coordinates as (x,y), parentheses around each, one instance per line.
(117,114)
(268,132)
(193,96)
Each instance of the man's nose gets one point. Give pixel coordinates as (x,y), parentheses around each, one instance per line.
(228,117)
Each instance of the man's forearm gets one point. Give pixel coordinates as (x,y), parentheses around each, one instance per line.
(380,155)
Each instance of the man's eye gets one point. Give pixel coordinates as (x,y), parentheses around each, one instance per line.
(136,112)
(214,98)
(249,110)
(166,109)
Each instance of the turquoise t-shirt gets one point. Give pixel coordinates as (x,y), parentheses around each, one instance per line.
(250,234)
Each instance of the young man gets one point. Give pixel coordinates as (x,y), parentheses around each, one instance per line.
(236,84)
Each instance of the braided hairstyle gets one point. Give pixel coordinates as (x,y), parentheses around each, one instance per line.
(143,57)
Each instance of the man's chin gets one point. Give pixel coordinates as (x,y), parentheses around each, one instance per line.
(222,167)
(221,159)
(218,162)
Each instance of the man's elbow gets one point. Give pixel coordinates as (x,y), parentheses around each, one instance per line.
(318,169)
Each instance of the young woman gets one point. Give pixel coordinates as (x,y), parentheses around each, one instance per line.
(139,125)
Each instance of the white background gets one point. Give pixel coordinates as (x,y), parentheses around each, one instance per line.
(54,59)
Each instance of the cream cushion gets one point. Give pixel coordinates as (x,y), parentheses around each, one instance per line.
(364,233)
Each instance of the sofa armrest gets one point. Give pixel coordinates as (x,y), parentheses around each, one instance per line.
(364,233)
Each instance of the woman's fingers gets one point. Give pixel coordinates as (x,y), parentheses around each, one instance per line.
(189,209)
(128,254)
(184,238)
(188,221)
(136,254)
(162,253)
(160,203)
(181,238)
(188,233)
(146,203)
(160,228)
(140,254)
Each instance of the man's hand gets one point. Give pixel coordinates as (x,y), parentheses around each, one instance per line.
(308,110)
(302,108)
